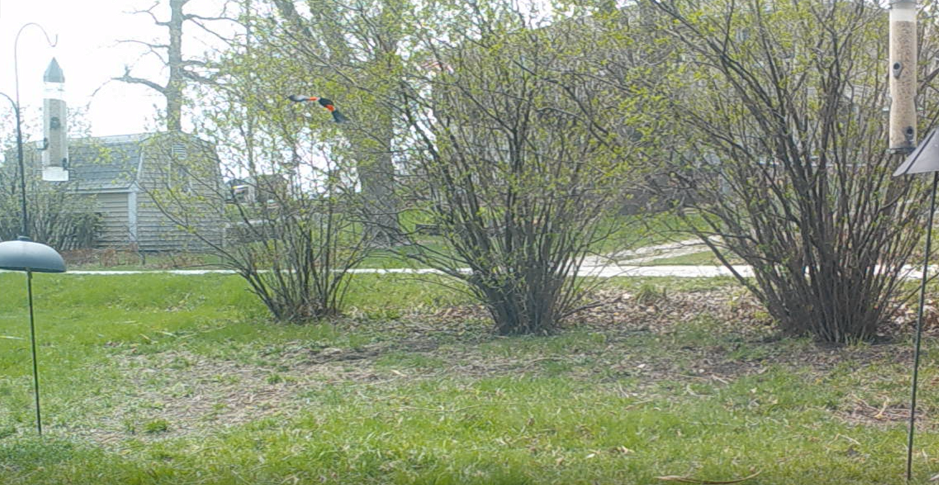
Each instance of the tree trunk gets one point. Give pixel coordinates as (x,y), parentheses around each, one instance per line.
(375,167)
(372,133)
(174,88)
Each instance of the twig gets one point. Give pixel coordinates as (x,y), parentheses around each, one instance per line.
(674,478)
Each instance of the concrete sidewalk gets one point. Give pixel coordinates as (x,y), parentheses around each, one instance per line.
(649,253)
(610,271)
(622,264)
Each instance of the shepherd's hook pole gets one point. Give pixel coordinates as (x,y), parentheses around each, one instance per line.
(32,339)
(919,327)
(19,129)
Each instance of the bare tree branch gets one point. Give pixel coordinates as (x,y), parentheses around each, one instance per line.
(127,78)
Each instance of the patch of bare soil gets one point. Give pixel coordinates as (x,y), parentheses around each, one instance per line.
(861,412)
(741,315)
(736,309)
(195,394)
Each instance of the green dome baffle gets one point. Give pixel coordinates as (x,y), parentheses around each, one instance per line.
(26,255)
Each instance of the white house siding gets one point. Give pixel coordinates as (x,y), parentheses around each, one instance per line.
(113,171)
(114,229)
(158,233)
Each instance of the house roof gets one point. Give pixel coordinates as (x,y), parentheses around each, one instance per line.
(105,163)
(114,163)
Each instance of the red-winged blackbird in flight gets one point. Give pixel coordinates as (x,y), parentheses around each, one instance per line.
(326,103)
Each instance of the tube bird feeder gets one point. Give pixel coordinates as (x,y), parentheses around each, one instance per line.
(902,75)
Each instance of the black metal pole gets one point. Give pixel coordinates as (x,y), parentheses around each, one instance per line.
(19,156)
(24,227)
(919,327)
(19,129)
(32,339)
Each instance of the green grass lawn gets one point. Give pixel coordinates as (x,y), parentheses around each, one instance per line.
(183,380)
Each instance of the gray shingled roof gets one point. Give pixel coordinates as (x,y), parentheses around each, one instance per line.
(105,163)
(109,163)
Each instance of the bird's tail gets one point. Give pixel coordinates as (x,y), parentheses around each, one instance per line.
(339,117)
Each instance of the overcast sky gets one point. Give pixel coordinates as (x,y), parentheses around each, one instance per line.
(87,50)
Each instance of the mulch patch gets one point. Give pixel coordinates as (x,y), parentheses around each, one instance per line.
(208,393)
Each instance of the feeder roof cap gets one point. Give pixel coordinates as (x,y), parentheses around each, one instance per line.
(54,73)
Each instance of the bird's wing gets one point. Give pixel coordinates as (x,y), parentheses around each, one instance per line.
(299,98)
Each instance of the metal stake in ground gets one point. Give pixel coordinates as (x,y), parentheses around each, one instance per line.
(24,254)
(925,159)
(919,327)
(902,137)
(32,344)
(31,257)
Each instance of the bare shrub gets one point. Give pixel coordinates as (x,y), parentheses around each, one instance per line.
(779,147)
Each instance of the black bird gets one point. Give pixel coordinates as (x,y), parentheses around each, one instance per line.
(326,103)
